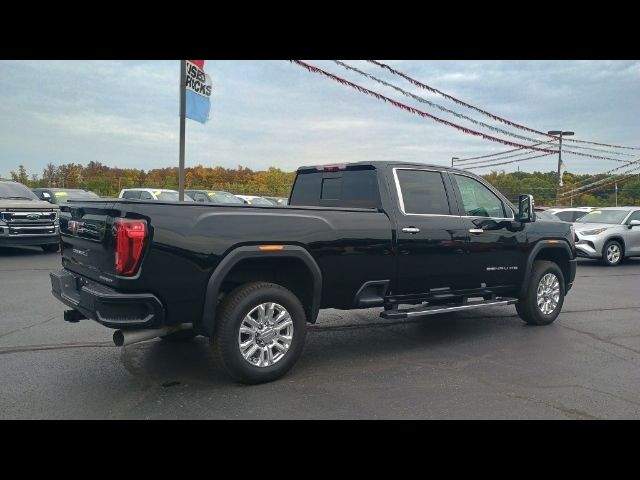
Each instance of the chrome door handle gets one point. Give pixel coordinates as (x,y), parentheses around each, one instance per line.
(411,230)
(476,230)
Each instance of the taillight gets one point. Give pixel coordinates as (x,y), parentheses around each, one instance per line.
(130,236)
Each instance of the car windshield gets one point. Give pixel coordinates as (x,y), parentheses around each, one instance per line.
(65,195)
(16,191)
(613,217)
(224,197)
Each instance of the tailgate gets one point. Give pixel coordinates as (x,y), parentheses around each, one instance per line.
(88,239)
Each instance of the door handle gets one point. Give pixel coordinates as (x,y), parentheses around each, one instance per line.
(411,230)
(476,230)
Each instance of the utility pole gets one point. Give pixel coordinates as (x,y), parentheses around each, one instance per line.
(560,134)
(452,159)
(183,101)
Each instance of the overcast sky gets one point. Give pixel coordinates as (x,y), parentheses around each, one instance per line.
(275,113)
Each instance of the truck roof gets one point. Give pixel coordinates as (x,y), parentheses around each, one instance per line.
(384,163)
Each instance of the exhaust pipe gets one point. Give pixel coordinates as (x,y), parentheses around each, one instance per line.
(123,338)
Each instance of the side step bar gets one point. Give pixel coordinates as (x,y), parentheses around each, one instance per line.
(434,309)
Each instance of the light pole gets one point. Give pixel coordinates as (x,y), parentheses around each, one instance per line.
(560,134)
(452,159)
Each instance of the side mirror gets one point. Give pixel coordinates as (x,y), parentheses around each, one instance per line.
(634,223)
(45,196)
(526,212)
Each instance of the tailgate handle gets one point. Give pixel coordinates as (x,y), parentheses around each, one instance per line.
(411,230)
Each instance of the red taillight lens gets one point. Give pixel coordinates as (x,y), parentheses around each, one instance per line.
(130,236)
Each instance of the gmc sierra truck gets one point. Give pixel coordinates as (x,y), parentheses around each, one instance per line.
(410,238)
(25,219)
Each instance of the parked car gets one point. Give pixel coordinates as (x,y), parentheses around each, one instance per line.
(152,194)
(214,196)
(255,200)
(59,195)
(410,238)
(545,215)
(609,234)
(570,214)
(278,200)
(25,219)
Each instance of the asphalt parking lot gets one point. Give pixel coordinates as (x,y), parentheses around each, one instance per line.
(477,364)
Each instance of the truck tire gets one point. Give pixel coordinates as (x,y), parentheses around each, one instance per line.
(260,332)
(612,253)
(543,300)
(50,248)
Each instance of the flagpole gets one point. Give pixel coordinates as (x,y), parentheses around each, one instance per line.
(183,98)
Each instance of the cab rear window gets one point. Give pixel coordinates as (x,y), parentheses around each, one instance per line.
(344,188)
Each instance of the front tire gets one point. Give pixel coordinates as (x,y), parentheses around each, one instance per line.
(260,332)
(542,302)
(612,253)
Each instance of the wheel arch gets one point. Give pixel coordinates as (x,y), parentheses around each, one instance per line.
(618,239)
(557,251)
(300,273)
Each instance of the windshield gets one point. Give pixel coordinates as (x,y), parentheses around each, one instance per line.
(613,217)
(65,195)
(17,191)
(224,197)
(172,197)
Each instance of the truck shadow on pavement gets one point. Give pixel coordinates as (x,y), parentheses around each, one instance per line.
(344,347)
(23,252)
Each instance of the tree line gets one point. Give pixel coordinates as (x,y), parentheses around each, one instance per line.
(108,181)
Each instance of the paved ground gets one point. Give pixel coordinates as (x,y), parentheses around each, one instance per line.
(482,364)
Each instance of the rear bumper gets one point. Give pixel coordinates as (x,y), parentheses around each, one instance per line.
(11,240)
(105,305)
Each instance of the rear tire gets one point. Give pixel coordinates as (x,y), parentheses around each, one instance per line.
(542,302)
(259,308)
(50,248)
(612,254)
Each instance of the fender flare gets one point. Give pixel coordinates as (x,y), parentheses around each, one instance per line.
(542,245)
(238,254)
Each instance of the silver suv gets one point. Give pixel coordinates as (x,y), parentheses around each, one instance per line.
(609,234)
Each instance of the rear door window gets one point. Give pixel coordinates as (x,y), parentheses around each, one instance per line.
(422,192)
(145,196)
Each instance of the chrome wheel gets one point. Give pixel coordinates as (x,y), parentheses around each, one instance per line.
(613,253)
(265,334)
(548,293)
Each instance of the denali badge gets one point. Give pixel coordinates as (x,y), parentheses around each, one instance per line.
(490,269)
(84,253)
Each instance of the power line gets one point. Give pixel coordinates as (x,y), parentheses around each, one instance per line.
(499,153)
(605,173)
(483,162)
(617,180)
(413,110)
(435,105)
(484,112)
(510,161)
(598,182)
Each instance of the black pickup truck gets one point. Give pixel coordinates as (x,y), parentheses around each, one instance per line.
(410,238)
